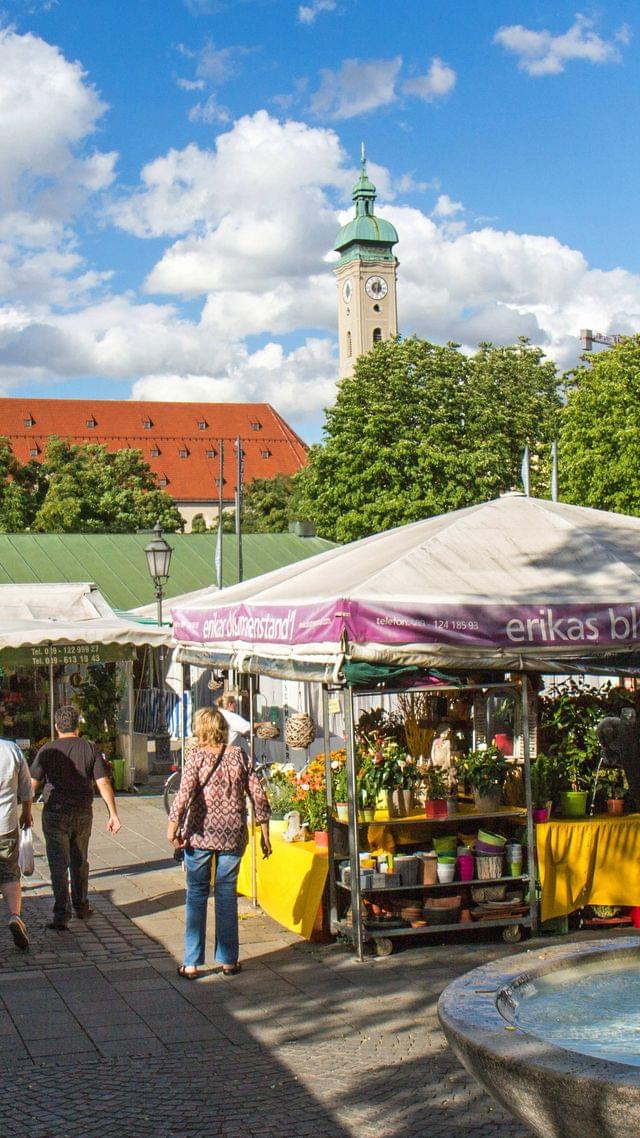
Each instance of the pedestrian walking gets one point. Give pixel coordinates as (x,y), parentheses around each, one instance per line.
(208,820)
(15,787)
(69,766)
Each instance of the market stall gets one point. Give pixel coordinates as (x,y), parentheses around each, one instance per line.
(496,591)
(50,635)
(588,861)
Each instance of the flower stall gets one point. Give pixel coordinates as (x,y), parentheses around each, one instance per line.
(494,595)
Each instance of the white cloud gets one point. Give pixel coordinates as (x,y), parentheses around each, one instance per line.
(209,111)
(438,82)
(446,207)
(308,13)
(542,53)
(358,86)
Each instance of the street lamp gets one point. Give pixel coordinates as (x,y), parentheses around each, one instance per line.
(158,553)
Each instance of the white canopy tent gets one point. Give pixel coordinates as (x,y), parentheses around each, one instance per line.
(513,584)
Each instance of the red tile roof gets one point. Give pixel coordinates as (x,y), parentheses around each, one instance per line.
(184,434)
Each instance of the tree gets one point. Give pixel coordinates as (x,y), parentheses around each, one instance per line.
(93,490)
(22,489)
(420,429)
(269,505)
(600,433)
(198,524)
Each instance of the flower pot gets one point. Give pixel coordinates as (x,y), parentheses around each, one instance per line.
(573,803)
(436,808)
(446,872)
(399,802)
(342,810)
(429,867)
(541,813)
(367,814)
(487,803)
(321,839)
(466,867)
(615,805)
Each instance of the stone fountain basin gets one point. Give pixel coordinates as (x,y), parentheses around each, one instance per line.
(556,1092)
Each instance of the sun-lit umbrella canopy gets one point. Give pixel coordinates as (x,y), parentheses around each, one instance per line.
(517,582)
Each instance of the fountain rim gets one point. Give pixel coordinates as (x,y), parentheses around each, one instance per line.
(469,1012)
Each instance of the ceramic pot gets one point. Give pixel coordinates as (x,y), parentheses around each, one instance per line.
(367,814)
(615,806)
(541,813)
(342,810)
(573,803)
(436,808)
(399,802)
(321,839)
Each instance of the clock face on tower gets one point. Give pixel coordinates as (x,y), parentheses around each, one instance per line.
(347,291)
(376,287)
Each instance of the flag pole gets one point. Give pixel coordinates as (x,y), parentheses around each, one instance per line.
(218,554)
(239,475)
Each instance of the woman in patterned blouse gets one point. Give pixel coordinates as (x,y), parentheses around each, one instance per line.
(216,826)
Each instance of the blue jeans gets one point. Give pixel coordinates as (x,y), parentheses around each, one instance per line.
(198,866)
(66,833)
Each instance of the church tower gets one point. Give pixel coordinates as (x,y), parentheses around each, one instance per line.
(366,277)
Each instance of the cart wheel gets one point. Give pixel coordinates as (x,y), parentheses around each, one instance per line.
(384,946)
(512,934)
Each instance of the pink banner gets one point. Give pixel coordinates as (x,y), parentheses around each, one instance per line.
(488,626)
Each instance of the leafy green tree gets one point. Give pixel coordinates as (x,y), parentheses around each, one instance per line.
(421,428)
(599,441)
(269,505)
(93,490)
(22,489)
(198,524)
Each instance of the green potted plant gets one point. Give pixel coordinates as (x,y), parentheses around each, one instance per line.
(367,793)
(614,785)
(542,780)
(340,790)
(484,770)
(575,777)
(394,774)
(436,787)
(316,813)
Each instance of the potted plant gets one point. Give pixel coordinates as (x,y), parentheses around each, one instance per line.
(435,784)
(575,776)
(367,793)
(614,785)
(484,771)
(394,774)
(340,791)
(316,813)
(542,776)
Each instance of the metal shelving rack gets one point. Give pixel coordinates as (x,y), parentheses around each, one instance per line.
(354,929)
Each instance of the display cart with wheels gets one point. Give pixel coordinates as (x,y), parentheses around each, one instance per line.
(360,908)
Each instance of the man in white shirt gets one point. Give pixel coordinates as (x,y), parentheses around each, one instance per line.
(239,727)
(15,786)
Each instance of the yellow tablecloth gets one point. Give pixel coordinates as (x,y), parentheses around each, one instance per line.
(588,861)
(290,883)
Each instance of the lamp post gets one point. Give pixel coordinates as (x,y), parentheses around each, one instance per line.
(158,553)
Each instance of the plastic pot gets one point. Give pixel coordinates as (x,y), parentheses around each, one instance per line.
(573,803)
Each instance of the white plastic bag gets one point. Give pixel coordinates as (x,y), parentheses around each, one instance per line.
(25,857)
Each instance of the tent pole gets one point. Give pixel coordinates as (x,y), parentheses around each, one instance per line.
(531,840)
(51,700)
(354,847)
(326,737)
(130,702)
(252,815)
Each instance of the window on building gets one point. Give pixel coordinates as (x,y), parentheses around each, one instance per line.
(147,424)
(183,452)
(28,422)
(377,335)
(265,454)
(34,451)
(220,481)
(90,423)
(256,426)
(155,452)
(210,453)
(202,424)
(164,481)
(348,343)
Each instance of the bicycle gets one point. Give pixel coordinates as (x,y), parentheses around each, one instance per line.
(171,787)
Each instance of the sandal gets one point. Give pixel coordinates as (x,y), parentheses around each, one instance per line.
(231,969)
(187,975)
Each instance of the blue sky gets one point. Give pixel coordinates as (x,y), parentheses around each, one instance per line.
(172,176)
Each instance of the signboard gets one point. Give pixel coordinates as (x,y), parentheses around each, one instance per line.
(42,655)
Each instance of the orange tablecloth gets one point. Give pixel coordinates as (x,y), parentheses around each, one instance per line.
(290,883)
(588,861)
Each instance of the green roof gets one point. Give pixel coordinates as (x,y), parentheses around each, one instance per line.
(366,235)
(117,565)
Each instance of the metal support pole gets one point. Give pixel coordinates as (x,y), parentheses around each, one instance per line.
(326,736)
(130,725)
(531,839)
(51,697)
(252,813)
(354,844)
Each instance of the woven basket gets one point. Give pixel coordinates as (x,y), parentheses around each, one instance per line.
(489,866)
(299,731)
(268,731)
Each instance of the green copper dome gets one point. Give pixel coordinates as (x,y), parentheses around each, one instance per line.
(365,237)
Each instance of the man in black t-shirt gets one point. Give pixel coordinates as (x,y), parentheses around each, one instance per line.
(69,766)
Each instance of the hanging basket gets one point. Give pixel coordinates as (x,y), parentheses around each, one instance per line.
(299,731)
(268,731)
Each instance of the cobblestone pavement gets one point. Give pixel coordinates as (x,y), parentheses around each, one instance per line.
(99,1035)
